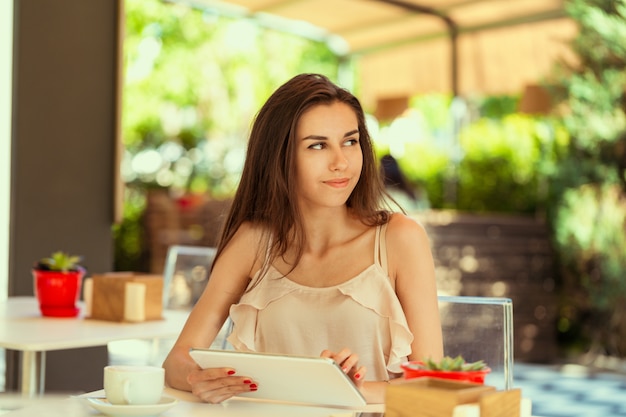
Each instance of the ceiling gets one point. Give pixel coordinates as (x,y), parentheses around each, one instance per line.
(403,47)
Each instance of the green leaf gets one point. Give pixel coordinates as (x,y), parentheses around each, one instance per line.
(453,364)
(61,261)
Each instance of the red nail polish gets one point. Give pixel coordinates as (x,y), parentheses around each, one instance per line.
(357,376)
(246,381)
(231,372)
(253,389)
(253,386)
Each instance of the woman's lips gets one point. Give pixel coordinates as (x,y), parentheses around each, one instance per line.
(338,183)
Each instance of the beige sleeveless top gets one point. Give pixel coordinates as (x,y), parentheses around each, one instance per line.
(362,314)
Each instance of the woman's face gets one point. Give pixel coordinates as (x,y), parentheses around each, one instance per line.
(328,155)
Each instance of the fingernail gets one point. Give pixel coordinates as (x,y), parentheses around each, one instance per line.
(357,376)
(246,381)
(345,370)
(231,372)
(253,386)
(253,389)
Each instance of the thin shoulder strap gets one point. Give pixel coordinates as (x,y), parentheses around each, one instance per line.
(380,247)
(259,274)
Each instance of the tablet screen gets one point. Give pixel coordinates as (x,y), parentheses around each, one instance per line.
(300,379)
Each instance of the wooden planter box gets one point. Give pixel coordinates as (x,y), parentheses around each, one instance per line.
(126,296)
(435,397)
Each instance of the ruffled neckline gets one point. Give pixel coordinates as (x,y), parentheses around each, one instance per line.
(275,274)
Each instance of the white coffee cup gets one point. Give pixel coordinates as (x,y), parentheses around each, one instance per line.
(133,385)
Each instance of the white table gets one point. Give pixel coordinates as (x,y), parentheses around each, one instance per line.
(190,406)
(24,329)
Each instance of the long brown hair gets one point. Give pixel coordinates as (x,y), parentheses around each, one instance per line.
(268,182)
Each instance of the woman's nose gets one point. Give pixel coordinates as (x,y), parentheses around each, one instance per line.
(339,161)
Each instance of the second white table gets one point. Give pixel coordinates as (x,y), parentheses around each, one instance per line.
(24,329)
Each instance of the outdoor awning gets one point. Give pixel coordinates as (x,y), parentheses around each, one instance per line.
(404,47)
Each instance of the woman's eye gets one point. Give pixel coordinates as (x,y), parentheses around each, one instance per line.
(351,142)
(317,146)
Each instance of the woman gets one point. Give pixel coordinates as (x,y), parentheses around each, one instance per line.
(308,262)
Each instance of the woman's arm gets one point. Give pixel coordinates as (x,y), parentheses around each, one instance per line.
(411,266)
(229,279)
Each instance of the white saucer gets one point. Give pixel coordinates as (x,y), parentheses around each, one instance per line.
(105,407)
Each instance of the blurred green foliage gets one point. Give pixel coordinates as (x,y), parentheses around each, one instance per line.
(129,251)
(586,226)
(502,162)
(588,201)
(498,106)
(507,163)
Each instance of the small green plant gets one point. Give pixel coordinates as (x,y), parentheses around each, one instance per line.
(453,364)
(60,261)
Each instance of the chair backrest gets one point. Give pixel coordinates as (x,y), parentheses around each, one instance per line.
(480,328)
(185,274)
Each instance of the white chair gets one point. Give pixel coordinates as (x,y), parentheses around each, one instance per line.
(480,328)
(185,274)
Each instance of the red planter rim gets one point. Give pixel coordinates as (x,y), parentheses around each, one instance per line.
(411,371)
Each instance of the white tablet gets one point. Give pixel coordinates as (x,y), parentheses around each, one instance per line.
(300,379)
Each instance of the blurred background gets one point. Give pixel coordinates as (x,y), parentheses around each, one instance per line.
(506,118)
(521,168)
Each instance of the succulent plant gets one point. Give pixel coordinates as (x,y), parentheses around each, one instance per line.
(60,261)
(451,364)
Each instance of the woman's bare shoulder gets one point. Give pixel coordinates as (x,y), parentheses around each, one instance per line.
(408,248)
(249,230)
(247,245)
(403,229)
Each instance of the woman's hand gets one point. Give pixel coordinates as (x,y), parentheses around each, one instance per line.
(218,384)
(349,363)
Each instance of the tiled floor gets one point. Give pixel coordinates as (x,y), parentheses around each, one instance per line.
(571,390)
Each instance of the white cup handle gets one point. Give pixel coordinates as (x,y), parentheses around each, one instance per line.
(126,390)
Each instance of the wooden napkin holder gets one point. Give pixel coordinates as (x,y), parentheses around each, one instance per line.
(113,299)
(436,397)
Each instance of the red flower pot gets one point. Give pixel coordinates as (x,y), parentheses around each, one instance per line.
(413,370)
(57,292)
